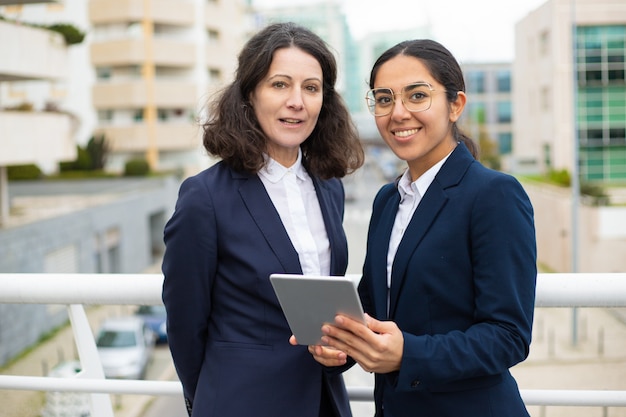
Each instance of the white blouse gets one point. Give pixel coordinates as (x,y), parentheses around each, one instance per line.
(293,194)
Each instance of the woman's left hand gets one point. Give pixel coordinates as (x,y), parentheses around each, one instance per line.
(376,346)
(323,354)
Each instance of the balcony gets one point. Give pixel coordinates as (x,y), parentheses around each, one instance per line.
(136,94)
(77,290)
(121,52)
(45,58)
(169,137)
(35,137)
(168,12)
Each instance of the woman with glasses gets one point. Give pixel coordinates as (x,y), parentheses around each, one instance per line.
(449,277)
(274,203)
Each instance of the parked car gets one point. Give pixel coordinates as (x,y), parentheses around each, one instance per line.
(125,346)
(155,318)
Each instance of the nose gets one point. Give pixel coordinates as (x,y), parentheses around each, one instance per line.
(398,110)
(294,101)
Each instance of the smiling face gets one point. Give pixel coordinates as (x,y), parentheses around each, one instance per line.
(423,138)
(288,101)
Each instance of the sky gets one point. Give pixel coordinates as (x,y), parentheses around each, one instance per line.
(473,30)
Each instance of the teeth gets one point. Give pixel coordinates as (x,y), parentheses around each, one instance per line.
(291,121)
(405,133)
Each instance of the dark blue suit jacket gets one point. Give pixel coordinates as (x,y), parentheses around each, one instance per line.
(462,292)
(227,333)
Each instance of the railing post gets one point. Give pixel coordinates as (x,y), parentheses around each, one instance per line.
(91,367)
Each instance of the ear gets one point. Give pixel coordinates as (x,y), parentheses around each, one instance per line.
(457,106)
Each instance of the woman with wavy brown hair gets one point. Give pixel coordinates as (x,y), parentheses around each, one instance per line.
(273,204)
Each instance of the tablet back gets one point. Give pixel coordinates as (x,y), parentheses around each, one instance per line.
(310,301)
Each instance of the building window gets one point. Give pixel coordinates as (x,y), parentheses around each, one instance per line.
(544,43)
(504,81)
(475,82)
(215,75)
(103,73)
(213,36)
(504,112)
(476,112)
(545,98)
(505,143)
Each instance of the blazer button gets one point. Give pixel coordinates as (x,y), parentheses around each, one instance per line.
(415,383)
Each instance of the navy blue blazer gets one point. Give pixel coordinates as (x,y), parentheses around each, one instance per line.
(462,292)
(227,334)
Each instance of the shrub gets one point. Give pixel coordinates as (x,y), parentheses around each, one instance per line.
(98,150)
(595,194)
(137,167)
(71,33)
(24,172)
(81,163)
(561,177)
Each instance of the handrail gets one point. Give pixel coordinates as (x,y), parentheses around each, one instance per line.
(76,290)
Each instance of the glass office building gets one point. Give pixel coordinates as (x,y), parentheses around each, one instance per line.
(601,102)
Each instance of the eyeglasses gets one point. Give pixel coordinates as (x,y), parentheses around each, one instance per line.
(416,97)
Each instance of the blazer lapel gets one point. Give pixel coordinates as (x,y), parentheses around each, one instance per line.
(262,210)
(425,213)
(333,218)
(450,175)
(379,249)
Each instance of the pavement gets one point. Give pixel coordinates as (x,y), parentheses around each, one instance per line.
(596,361)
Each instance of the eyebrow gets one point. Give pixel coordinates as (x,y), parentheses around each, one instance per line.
(291,78)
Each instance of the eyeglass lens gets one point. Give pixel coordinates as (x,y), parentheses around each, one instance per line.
(415,97)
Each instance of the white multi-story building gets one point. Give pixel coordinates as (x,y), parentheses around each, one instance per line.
(156,63)
(34,129)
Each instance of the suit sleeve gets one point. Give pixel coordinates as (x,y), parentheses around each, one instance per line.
(503,270)
(189,266)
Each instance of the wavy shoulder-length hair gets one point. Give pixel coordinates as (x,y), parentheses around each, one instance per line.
(442,66)
(232,131)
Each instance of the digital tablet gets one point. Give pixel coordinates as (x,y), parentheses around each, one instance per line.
(310,301)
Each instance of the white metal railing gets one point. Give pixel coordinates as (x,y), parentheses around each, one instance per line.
(76,290)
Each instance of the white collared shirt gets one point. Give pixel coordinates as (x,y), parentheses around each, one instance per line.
(293,194)
(411,194)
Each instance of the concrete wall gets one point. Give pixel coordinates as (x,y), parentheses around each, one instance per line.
(601,232)
(123,234)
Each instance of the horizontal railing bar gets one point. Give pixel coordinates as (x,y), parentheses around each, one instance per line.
(583,398)
(110,386)
(553,289)
(579,398)
(581,290)
(94,289)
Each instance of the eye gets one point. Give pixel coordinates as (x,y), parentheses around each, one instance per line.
(383,99)
(418,96)
(279,84)
(312,88)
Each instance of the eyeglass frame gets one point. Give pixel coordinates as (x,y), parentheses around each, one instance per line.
(393,98)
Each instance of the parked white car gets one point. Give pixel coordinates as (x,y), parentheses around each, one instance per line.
(125,346)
